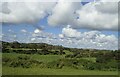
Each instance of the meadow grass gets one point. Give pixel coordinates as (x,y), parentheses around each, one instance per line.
(6,70)
(93,59)
(0,63)
(47,71)
(44,58)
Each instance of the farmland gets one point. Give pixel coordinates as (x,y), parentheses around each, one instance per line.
(43,59)
(36,70)
(46,71)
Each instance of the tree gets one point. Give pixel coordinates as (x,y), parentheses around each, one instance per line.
(33,46)
(15,44)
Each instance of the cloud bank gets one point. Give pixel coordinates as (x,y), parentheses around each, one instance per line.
(93,15)
(69,38)
(24,12)
(71,16)
(99,15)
(72,38)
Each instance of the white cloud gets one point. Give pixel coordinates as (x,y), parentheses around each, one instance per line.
(61,35)
(23,30)
(69,32)
(57,0)
(70,15)
(72,38)
(32,39)
(98,16)
(107,7)
(64,13)
(102,16)
(109,0)
(22,12)
(9,37)
(37,31)
(94,15)
(10,30)
(90,39)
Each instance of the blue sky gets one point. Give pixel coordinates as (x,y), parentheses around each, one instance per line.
(85,25)
(49,29)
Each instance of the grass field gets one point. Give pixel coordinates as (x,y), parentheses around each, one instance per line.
(0,65)
(46,71)
(45,58)
(6,70)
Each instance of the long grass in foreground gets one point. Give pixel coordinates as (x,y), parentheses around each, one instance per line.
(46,71)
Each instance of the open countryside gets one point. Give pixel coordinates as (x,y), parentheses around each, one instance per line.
(44,59)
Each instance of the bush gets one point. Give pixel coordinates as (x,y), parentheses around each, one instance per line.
(20,61)
(111,66)
(69,56)
(54,64)
(6,61)
(6,50)
(23,57)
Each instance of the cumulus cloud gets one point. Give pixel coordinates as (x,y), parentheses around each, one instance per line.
(32,39)
(69,15)
(64,13)
(99,15)
(23,30)
(61,35)
(57,0)
(108,0)
(22,12)
(9,37)
(37,31)
(107,7)
(77,39)
(69,32)
(93,15)
(90,39)
(4,9)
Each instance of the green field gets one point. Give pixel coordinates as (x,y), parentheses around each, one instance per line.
(46,71)
(45,58)
(6,70)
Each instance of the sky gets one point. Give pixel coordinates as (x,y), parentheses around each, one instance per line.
(70,24)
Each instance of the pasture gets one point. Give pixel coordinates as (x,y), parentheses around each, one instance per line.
(36,70)
(46,71)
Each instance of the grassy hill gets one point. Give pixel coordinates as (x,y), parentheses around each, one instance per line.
(45,59)
(37,70)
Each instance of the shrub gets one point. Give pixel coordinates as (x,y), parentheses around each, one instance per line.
(53,64)
(23,57)
(69,56)
(20,61)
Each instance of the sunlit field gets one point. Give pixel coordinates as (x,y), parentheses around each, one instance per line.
(38,70)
